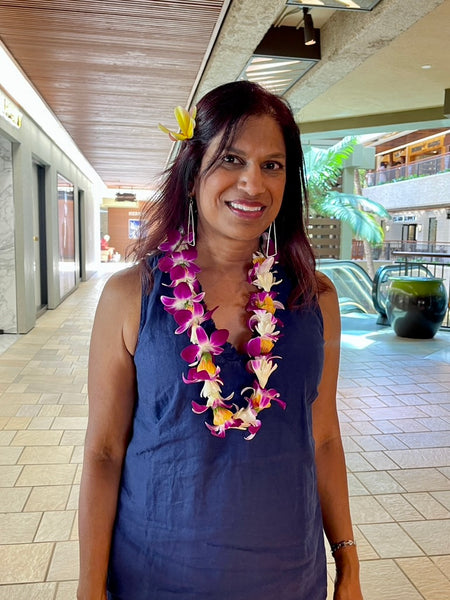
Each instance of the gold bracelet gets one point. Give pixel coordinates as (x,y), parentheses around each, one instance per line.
(343,544)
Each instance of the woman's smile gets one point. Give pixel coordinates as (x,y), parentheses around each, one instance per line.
(246,209)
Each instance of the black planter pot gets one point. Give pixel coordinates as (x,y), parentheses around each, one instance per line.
(416,306)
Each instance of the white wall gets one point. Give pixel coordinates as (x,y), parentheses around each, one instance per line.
(8,309)
(31,144)
(424,192)
(422,198)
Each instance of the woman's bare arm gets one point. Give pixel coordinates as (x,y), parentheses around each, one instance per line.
(111,389)
(330,461)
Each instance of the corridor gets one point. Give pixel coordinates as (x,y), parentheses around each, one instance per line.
(394,406)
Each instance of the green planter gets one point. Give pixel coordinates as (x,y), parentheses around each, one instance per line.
(416,306)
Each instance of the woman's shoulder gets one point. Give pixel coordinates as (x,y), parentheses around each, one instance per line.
(124,284)
(324,284)
(329,305)
(120,304)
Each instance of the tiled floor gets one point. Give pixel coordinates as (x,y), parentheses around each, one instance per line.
(394,404)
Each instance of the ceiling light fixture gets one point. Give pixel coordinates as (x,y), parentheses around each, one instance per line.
(282,58)
(366,5)
(310,38)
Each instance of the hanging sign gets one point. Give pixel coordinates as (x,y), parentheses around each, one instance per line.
(9,111)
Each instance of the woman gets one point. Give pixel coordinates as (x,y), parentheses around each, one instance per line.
(218,325)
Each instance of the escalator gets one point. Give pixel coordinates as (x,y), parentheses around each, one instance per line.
(352,283)
(357,292)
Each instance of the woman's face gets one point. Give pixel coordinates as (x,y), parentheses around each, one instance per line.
(242,194)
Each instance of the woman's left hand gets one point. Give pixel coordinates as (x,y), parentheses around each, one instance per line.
(347,589)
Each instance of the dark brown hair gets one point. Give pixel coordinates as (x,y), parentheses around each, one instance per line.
(225,109)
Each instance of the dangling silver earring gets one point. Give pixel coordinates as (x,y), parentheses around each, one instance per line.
(190,234)
(268,241)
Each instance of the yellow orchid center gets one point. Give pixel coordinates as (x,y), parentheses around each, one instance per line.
(206,364)
(221,415)
(266,346)
(267,305)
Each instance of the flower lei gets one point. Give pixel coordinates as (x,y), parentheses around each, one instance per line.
(188,310)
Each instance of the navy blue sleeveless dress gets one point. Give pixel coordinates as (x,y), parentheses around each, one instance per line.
(201,517)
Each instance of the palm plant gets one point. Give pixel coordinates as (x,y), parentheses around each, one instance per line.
(323,169)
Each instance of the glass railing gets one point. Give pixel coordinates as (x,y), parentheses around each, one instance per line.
(386,250)
(420,168)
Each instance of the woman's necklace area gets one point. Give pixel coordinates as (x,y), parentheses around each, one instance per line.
(189,311)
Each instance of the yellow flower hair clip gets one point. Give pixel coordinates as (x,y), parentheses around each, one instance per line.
(186,122)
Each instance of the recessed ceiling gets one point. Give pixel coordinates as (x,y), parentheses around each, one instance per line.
(111,70)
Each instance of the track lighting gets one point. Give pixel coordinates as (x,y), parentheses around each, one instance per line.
(308,27)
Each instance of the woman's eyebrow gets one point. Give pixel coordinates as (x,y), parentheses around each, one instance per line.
(240,151)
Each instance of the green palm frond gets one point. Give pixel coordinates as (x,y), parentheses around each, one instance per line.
(359,212)
(323,167)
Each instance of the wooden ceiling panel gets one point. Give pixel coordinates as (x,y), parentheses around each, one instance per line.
(111,70)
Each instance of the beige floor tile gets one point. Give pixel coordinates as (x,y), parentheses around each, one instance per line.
(13,499)
(48,398)
(10,455)
(384,580)
(365,509)
(28,410)
(379,461)
(421,480)
(74,410)
(427,578)
(379,482)
(70,423)
(432,536)
(18,423)
(443,563)
(355,487)
(55,526)
(427,505)
(73,438)
(18,528)
(6,437)
(72,502)
(41,455)
(41,423)
(51,497)
(390,540)
(24,563)
(365,550)
(37,438)
(67,590)
(443,498)
(424,457)
(29,591)
(9,475)
(64,565)
(77,478)
(63,385)
(77,456)
(50,410)
(356,463)
(74,532)
(36,475)
(399,508)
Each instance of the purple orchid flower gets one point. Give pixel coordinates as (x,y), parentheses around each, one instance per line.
(183,298)
(205,345)
(186,319)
